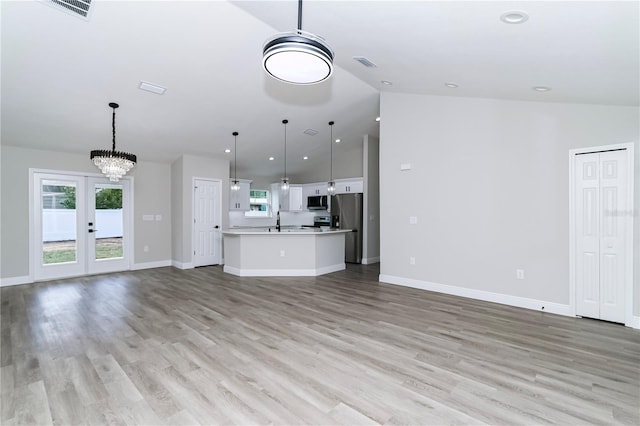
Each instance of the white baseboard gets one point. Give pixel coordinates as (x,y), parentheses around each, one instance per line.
(180,265)
(370,260)
(504,299)
(150,265)
(635,322)
(283,272)
(6,282)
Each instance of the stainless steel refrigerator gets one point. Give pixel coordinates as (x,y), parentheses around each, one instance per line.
(346,213)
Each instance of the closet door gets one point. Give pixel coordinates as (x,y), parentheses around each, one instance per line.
(600,230)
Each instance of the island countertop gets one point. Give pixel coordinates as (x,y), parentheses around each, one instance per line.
(286,231)
(294,251)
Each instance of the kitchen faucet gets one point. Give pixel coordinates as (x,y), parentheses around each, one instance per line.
(278,222)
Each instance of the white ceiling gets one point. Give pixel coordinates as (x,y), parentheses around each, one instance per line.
(59,72)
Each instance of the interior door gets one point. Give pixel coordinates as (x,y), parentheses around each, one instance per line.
(80,225)
(600,229)
(207,239)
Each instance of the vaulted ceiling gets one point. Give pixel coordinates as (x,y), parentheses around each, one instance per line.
(59,71)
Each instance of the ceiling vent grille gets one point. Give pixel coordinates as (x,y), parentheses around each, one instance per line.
(364,61)
(310,132)
(79,8)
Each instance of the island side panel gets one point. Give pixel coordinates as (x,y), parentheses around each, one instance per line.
(330,253)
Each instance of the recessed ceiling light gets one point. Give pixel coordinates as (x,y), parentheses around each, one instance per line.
(305,158)
(541,88)
(514,17)
(227,150)
(451,85)
(153,88)
(338,141)
(377,118)
(386,82)
(271,158)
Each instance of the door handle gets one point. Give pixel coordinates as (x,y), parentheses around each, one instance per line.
(216,227)
(93,230)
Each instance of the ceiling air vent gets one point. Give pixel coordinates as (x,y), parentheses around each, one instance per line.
(310,132)
(364,61)
(79,8)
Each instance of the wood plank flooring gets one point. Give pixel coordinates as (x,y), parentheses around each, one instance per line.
(165,346)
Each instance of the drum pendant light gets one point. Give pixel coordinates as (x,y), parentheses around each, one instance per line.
(284,186)
(113,164)
(297,57)
(235,183)
(331,185)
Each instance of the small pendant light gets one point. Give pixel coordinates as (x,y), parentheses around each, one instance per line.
(235,183)
(284,186)
(331,185)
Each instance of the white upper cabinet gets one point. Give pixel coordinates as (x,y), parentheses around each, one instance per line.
(291,201)
(311,189)
(239,200)
(346,186)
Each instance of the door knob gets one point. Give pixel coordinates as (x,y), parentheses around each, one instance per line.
(216,227)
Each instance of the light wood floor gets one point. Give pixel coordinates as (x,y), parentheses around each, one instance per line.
(165,346)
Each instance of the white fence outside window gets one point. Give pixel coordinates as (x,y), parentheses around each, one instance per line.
(60,224)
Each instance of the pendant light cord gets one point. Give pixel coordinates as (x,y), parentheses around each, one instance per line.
(331,152)
(299,15)
(235,156)
(113,129)
(285,147)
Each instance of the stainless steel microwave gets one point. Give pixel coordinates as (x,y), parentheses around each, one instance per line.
(317,202)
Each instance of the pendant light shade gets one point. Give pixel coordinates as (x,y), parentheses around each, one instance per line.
(297,57)
(235,183)
(331,185)
(113,164)
(284,185)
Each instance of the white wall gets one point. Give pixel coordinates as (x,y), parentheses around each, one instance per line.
(489,185)
(152,195)
(371,208)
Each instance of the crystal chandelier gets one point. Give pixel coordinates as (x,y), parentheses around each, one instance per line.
(113,164)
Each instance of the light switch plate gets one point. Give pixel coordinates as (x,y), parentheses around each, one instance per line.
(158,217)
(405,166)
(147,217)
(413,220)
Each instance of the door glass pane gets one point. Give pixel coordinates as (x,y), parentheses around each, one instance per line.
(59,222)
(109,221)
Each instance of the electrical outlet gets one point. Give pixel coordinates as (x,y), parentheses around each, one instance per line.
(412,261)
(520,274)
(281,253)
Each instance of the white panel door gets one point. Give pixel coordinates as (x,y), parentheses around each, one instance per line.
(600,231)
(207,239)
(612,234)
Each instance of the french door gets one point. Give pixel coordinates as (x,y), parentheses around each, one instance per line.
(80,225)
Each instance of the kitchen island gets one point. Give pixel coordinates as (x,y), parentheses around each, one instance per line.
(265,252)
